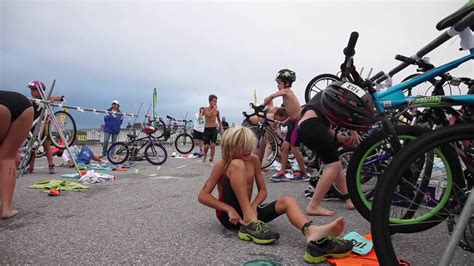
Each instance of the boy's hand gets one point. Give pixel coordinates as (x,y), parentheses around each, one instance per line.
(268,101)
(234,216)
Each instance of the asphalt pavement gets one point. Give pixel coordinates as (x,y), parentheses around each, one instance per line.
(153,217)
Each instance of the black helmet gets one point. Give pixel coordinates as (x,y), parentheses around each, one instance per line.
(347,105)
(287,76)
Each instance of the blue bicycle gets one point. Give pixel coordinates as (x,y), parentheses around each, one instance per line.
(373,154)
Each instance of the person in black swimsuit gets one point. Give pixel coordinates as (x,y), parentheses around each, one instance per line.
(235,176)
(16,118)
(314,131)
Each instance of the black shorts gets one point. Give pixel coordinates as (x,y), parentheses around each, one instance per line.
(266,212)
(295,142)
(210,135)
(15,102)
(198,135)
(314,134)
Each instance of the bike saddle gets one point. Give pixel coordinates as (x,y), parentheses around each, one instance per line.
(457,16)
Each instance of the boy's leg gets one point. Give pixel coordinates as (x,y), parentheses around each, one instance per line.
(295,215)
(280,175)
(299,158)
(49,156)
(213,151)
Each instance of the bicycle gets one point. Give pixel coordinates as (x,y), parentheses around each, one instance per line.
(445,195)
(47,129)
(184,142)
(154,152)
(391,138)
(266,136)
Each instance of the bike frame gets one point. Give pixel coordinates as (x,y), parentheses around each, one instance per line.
(394,97)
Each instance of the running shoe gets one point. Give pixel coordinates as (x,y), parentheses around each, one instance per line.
(258,232)
(308,192)
(279,178)
(330,246)
(51,169)
(331,195)
(300,177)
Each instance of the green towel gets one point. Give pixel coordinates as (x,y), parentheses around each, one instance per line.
(72,176)
(58,184)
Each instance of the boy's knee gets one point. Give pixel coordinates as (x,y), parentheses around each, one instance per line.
(288,201)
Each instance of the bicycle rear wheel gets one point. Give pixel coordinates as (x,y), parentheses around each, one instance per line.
(443,198)
(118,153)
(319,83)
(184,143)
(156,154)
(67,125)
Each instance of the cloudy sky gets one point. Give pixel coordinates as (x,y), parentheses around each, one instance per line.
(104,50)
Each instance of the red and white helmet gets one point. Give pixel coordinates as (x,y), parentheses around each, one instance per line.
(347,105)
(36,84)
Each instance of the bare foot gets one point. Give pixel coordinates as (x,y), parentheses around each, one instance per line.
(318,211)
(9,215)
(204,159)
(335,228)
(349,205)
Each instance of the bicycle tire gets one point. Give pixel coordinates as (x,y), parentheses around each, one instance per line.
(184,143)
(118,153)
(380,223)
(160,127)
(309,88)
(158,152)
(357,181)
(69,134)
(262,139)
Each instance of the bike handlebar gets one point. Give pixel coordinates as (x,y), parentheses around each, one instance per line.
(467,21)
(170,118)
(349,51)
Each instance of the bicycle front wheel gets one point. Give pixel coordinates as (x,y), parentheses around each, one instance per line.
(67,125)
(118,153)
(368,162)
(267,146)
(442,198)
(184,143)
(156,154)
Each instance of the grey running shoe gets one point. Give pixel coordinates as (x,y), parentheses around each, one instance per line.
(258,232)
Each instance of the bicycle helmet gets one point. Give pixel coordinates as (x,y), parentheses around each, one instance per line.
(347,105)
(287,76)
(36,84)
(148,129)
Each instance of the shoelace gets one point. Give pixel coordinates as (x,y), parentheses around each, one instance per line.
(262,227)
(336,240)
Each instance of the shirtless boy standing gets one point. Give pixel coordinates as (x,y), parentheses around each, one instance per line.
(210,128)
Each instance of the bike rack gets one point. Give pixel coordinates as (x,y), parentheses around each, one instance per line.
(45,110)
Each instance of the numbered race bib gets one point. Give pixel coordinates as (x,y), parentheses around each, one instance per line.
(362,246)
(354,88)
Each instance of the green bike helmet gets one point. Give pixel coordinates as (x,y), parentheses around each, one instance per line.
(287,76)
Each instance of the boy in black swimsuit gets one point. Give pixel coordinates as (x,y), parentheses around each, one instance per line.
(235,176)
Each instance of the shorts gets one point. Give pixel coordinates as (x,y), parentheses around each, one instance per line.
(210,135)
(198,135)
(292,134)
(314,134)
(15,102)
(266,212)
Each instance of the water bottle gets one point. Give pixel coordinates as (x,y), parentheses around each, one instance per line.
(137,171)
